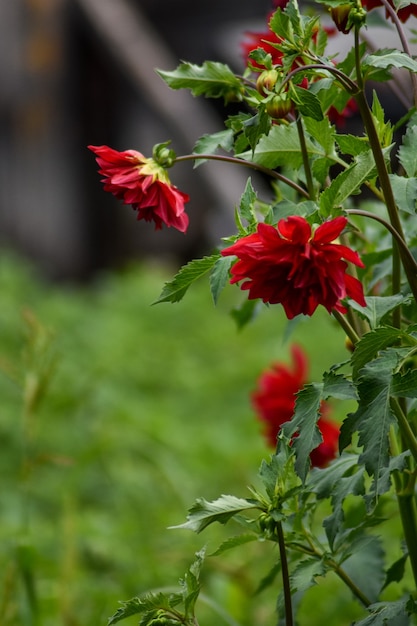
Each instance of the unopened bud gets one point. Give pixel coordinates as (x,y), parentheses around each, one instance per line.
(279,106)
(266,81)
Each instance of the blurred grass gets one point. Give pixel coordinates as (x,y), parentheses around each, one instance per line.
(147,409)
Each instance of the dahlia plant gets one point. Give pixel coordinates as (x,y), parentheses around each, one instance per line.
(339,231)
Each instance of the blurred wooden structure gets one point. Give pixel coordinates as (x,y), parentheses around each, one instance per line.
(74,72)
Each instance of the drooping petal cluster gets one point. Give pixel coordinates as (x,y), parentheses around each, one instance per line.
(291,265)
(274,403)
(144,184)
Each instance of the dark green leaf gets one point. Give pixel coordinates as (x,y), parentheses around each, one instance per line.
(209,144)
(337,386)
(304,421)
(347,485)
(191,584)
(246,313)
(371,343)
(351,144)
(144,604)
(304,574)
(366,566)
(395,573)
(308,104)
(405,386)
(219,276)
(175,290)
(247,203)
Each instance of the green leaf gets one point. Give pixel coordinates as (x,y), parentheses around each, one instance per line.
(247,203)
(348,182)
(405,193)
(323,132)
(386,58)
(233,542)
(304,574)
(304,421)
(191,584)
(219,276)
(374,416)
(212,79)
(386,613)
(279,472)
(145,604)
(204,513)
(366,566)
(281,147)
(407,152)
(308,103)
(351,144)
(377,307)
(209,144)
(246,313)
(395,572)
(337,386)
(371,343)
(405,386)
(176,289)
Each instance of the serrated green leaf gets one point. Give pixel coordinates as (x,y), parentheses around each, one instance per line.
(176,289)
(371,343)
(247,203)
(209,144)
(386,58)
(405,193)
(407,152)
(233,542)
(304,421)
(348,182)
(404,386)
(278,473)
(395,572)
(323,132)
(322,481)
(308,104)
(212,79)
(204,513)
(351,144)
(191,584)
(144,604)
(337,386)
(219,276)
(386,614)
(377,307)
(304,574)
(374,416)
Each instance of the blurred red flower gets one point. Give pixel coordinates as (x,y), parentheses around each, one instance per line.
(274,403)
(403,14)
(144,184)
(290,265)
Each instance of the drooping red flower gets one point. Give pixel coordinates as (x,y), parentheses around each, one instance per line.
(290,265)
(274,403)
(144,184)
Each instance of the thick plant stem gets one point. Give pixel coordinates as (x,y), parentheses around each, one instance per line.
(385,183)
(250,164)
(289,621)
(306,162)
(405,428)
(408,513)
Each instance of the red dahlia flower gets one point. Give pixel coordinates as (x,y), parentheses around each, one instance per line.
(144,184)
(290,265)
(274,403)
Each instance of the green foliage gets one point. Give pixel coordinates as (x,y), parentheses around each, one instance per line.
(212,79)
(175,290)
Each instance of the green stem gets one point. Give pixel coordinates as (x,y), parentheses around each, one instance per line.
(306,162)
(250,164)
(349,330)
(405,428)
(285,576)
(408,514)
(349,582)
(409,267)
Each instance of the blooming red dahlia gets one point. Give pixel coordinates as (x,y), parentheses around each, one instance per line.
(274,403)
(144,184)
(290,265)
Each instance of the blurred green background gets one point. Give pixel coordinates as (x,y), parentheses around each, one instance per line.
(115,416)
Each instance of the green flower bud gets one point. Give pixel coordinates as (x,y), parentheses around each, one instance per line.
(164,156)
(266,81)
(279,106)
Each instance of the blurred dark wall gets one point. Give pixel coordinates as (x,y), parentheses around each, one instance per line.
(74,72)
